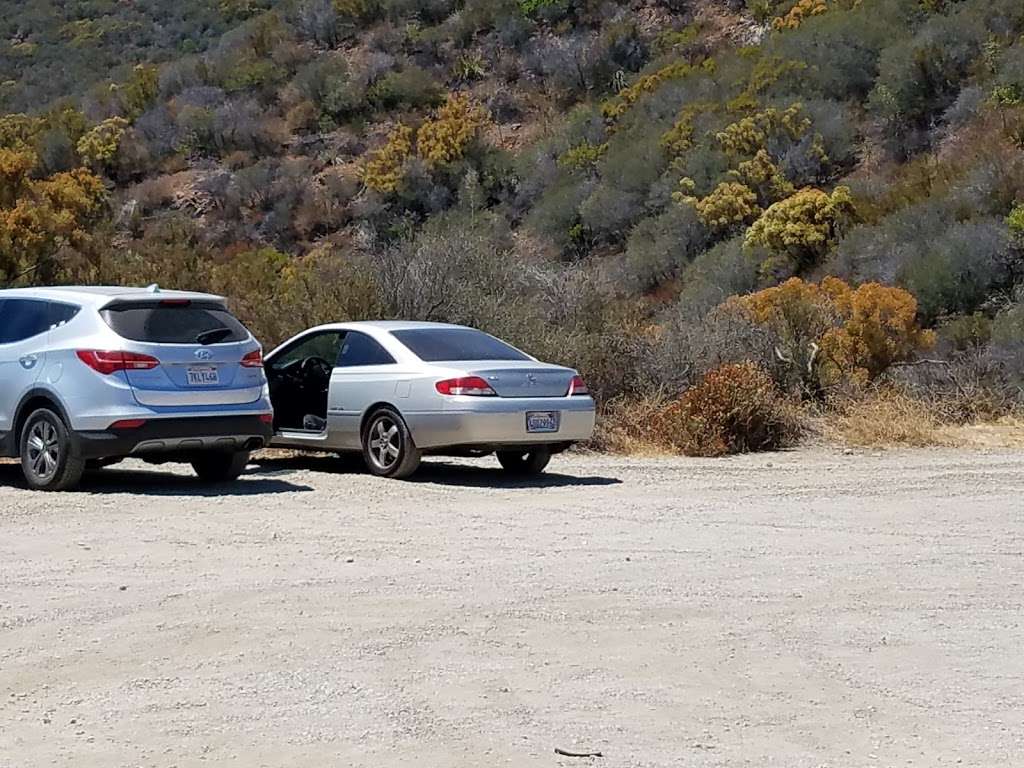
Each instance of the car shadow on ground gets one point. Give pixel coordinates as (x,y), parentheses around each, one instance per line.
(154,482)
(432,471)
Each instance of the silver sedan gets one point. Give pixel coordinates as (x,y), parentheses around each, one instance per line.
(397,390)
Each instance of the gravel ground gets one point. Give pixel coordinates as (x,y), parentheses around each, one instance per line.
(797,609)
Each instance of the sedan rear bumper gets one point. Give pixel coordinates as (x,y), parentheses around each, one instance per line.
(500,422)
(177,435)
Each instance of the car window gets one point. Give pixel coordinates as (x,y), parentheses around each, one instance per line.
(61,313)
(324,345)
(173,322)
(359,349)
(22,319)
(439,345)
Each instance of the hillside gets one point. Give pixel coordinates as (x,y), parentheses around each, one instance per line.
(592,180)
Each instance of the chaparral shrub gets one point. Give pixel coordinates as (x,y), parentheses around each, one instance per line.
(735,408)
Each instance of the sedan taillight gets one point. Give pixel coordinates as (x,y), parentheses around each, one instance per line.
(578,387)
(253,360)
(467,385)
(108,361)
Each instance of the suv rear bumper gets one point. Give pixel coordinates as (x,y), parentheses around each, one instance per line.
(176,435)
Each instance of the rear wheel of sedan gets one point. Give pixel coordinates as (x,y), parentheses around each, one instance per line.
(388,448)
(527,462)
(46,457)
(220,466)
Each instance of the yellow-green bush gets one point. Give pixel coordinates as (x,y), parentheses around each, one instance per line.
(100,143)
(382,170)
(729,205)
(443,138)
(801,228)
(803,9)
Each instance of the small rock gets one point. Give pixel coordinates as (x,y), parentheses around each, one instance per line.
(123,587)
(848,452)
(350,559)
(627,558)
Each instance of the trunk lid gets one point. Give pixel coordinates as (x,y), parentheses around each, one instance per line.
(189,372)
(524,379)
(196,375)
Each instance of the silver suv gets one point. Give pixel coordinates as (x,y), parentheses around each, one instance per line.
(94,375)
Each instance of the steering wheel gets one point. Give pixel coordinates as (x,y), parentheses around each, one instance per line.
(316,368)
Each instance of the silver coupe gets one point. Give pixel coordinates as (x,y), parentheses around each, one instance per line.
(395,391)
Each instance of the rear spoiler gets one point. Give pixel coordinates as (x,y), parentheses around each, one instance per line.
(150,302)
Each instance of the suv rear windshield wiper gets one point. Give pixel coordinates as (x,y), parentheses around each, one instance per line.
(213,335)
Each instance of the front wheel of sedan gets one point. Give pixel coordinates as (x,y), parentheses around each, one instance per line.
(524,463)
(388,448)
(46,457)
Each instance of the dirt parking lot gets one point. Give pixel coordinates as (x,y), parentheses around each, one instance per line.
(798,609)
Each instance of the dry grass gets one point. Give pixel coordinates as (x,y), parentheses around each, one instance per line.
(626,426)
(889,417)
(882,418)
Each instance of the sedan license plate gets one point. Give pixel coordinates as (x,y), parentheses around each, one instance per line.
(202,376)
(542,421)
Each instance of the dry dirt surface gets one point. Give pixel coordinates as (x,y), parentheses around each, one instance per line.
(798,609)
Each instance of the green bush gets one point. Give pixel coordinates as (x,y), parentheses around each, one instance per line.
(410,88)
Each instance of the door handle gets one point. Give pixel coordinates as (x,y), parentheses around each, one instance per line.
(28,361)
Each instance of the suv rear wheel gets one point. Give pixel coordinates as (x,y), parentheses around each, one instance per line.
(46,458)
(220,466)
(526,462)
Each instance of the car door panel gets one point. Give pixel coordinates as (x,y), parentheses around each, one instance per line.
(366,374)
(24,325)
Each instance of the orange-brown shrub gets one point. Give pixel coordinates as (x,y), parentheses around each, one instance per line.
(735,408)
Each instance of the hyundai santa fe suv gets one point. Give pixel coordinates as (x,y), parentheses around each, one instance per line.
(89,376)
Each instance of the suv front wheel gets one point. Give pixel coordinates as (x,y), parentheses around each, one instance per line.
(46,457)
(220,466)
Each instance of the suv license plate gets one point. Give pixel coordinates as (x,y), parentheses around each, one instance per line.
(542,421)
(204,376)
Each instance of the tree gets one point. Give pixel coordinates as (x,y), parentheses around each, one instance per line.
(38,217)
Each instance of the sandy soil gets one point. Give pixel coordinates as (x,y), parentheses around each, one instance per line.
(798,609)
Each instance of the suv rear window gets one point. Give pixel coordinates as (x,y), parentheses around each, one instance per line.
(168,322)
(443,345)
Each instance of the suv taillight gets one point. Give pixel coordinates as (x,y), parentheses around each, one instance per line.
(578,387)
(467,385)
(108,361)
(254,359)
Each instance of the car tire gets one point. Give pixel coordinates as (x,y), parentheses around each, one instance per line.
(220,466)
(388,447)
(525,462)
(46,453)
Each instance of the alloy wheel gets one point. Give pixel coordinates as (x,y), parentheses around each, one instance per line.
(43,449)
(385,443)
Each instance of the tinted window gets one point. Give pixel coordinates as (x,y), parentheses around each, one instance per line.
(360,349)
(438,345)
(323,345)
(61,313)
(170,323)
(22,319)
